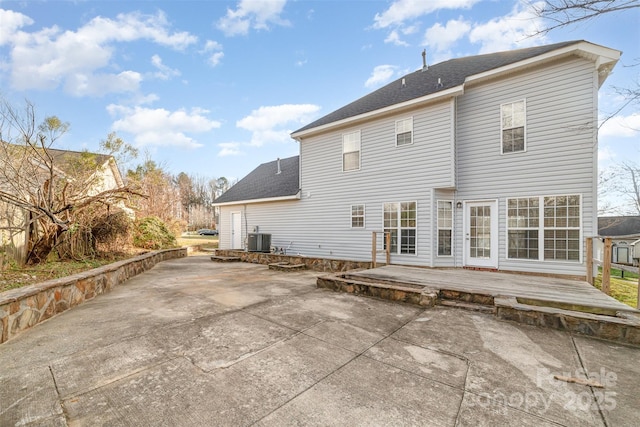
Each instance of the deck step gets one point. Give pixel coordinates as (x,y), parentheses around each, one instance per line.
(285,266)
(481,308)
(217,258)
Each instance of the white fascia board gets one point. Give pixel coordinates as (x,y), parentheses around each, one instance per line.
(265,200)
(454,91)
(600,54)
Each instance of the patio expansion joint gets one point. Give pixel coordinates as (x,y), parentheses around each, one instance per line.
(343,365)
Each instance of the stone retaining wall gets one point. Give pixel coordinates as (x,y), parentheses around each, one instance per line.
(315,264)
(24,307)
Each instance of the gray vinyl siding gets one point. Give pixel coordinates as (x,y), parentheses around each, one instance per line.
(561,146)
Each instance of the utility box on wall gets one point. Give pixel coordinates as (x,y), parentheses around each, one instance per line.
(259,242)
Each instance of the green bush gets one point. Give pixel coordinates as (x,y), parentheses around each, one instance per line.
(151,233)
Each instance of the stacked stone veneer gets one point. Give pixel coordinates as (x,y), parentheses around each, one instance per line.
(24,307)
(315,264)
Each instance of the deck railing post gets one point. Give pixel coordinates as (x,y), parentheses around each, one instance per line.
(589,256)
(606,266)
(388,237)
(374,254)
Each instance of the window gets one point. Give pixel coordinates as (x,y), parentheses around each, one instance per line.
(404,132)
(513,117)
(544,228)
(357,216)
(351,151)
(400,221)
(522,228)
(445,227)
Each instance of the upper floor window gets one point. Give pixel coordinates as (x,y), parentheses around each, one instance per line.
(357,216)
(404,132)
(513,126)
(351,151)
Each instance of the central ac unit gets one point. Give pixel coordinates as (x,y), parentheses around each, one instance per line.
(259,242)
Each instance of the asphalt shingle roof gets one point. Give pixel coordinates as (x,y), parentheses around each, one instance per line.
(420,83)
(264,182)
(618,226)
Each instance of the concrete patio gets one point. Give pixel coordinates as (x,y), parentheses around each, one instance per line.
(191,342)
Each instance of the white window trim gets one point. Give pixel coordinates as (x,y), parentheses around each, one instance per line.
(399,227)
(541,229)
(524,100)
(396,131)
(364,216)
(359,150)
(438,227)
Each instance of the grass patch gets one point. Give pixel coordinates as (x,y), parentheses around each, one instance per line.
(13,277)
(209,242)
(624,289)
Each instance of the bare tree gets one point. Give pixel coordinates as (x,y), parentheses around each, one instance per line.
(44,189)
(562,13)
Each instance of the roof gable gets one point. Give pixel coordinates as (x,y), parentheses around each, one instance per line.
(264,182)
(438,79)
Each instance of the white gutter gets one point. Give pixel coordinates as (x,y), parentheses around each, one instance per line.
(265,200)
(454,91)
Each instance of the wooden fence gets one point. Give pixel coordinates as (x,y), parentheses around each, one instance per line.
(606,267)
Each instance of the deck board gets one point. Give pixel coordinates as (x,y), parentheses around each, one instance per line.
(498,284)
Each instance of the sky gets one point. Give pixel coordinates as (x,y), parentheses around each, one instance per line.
(214,88)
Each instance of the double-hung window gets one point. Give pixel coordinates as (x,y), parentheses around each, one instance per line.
(404,132)
(357,216)
(400,219)
(513,127)
(544,228)
(351,151)
(445,227)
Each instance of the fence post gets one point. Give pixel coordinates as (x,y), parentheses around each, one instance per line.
(374,240)
(589,256)
(638,296)
(388,237)
(606,266)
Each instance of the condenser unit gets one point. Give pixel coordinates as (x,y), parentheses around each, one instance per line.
(259,242)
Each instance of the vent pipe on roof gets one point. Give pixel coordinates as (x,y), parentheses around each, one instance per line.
(404,83)
(278,163)
(424,60)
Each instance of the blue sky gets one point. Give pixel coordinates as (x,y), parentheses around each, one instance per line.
(215,87)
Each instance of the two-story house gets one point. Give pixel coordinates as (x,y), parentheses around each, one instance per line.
(487,161)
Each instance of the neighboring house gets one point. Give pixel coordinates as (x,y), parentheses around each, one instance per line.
(487,161)
(104,176)
(625,238)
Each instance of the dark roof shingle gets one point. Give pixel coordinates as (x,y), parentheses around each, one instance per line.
(264,182)
(612,226)
(420,83)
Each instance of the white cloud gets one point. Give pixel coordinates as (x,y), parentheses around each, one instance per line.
(605,153)
(442,38)
(51,57)
(229,149)
(11,22)
(380,75)
(160,127)
(164,72)
(511,31)
(394,38)
(217,55)
(404,10)
(256,14)
(621,127)
(267,124)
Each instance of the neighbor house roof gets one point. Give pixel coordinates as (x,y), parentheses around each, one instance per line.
(612,226)
(448,78)
(266,183)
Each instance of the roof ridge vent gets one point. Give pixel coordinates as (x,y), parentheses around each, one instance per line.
(425,67)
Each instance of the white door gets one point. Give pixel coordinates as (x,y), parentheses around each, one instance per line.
(236,230)
(481,234)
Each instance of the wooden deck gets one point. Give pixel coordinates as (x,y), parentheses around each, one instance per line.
(498,284)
